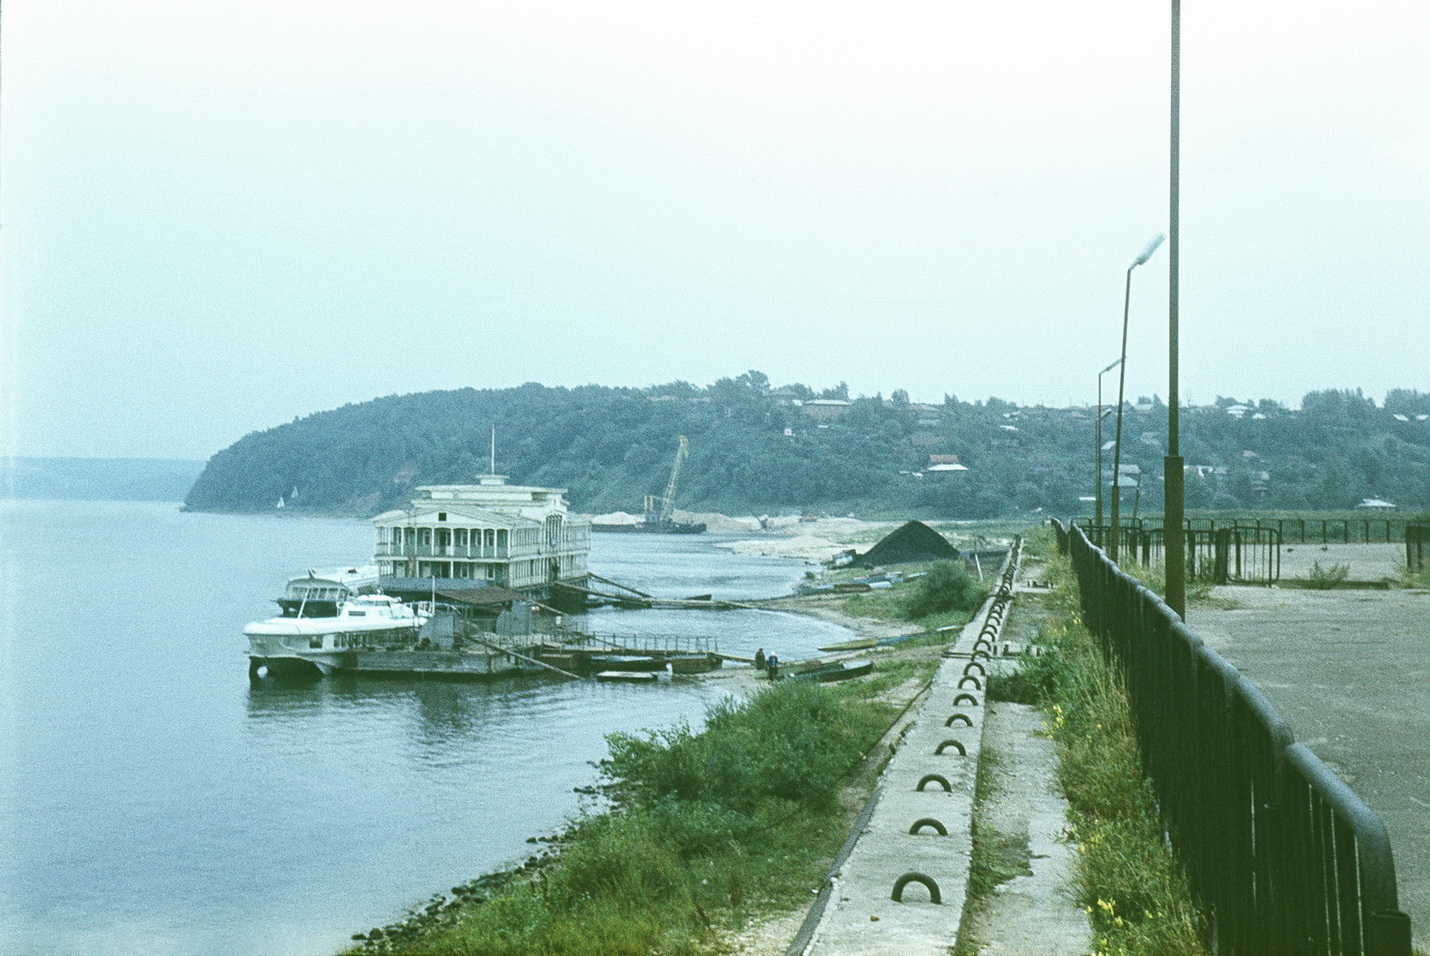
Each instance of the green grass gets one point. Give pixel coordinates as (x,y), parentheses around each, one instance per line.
(704,832)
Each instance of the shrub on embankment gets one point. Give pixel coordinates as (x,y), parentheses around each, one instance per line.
(942,594)
(702,831)
(946,586)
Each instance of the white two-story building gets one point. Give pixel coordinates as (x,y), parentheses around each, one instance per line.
(489,533)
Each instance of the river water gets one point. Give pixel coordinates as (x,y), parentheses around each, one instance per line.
(152,801)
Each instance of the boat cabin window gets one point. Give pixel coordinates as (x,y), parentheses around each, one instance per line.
(357,614)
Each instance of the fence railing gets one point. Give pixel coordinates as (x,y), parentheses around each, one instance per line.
(1282,856)
(1417,536)
(1300,530)
(1231,554)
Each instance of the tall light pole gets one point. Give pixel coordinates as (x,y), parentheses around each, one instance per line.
(1142,257)
(1173,472)
(1097,436)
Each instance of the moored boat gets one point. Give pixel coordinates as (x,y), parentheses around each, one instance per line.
(639,677)
(652,527)
(862,644)
(838,670)
(695,664)
(321,593)
(297,644)
(625,662)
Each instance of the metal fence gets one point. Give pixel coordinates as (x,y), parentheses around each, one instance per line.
(1231,554)
(1282,856)
(1417,536)
(1300,530)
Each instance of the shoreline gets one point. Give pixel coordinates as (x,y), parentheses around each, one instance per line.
(769,934)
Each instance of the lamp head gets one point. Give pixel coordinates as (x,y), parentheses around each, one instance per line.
(1147,250)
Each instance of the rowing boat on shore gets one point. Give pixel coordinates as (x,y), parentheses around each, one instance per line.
(839,670)
(863,644)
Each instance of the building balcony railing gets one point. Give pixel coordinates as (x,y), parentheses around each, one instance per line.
(441,551)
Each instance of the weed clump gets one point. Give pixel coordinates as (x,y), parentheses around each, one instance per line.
(1324,579)
(1034,681)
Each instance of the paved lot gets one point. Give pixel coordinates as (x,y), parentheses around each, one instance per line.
(1350,671)
(1364,562)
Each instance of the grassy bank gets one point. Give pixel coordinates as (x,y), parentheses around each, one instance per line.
(934,595)
(1134,891)
(689,837)
(702,832)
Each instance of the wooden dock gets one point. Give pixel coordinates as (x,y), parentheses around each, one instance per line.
(571,654)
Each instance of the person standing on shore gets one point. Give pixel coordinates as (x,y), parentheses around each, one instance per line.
(760,659)
(772,664)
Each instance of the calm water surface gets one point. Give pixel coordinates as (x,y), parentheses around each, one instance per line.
(152,801)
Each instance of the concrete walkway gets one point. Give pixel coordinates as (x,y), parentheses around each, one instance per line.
(915,838)
(1024,818)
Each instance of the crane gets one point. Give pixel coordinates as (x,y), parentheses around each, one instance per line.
(660,510)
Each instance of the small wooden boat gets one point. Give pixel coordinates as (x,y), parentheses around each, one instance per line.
(699,664)
(863,644)
(639,677)
(839,670)
(626,662)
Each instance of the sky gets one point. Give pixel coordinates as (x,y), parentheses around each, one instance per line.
(216,218)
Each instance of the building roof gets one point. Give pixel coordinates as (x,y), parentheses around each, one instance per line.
(458,516)
(481,596)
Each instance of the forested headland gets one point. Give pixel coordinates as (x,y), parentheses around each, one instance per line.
(756,448)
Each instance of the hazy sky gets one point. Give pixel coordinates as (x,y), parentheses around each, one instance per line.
(220,216)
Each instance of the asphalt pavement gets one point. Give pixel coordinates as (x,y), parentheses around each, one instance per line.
(1350,671)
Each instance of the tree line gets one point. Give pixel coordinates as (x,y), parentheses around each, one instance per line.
(756,448)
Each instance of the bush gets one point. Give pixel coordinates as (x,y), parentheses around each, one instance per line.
(1323,579)
(794,742)
(946,586)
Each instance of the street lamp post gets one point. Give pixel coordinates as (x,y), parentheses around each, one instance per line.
(1097,436)
(1173,471)
(1142,257)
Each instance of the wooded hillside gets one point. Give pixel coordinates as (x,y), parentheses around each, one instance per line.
(759,449)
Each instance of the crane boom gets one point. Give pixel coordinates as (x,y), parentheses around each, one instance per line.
(659,511)
(667,504)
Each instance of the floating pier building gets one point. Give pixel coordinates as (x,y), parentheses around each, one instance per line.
(490,534)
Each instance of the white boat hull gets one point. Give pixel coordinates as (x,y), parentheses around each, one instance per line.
(331,643)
